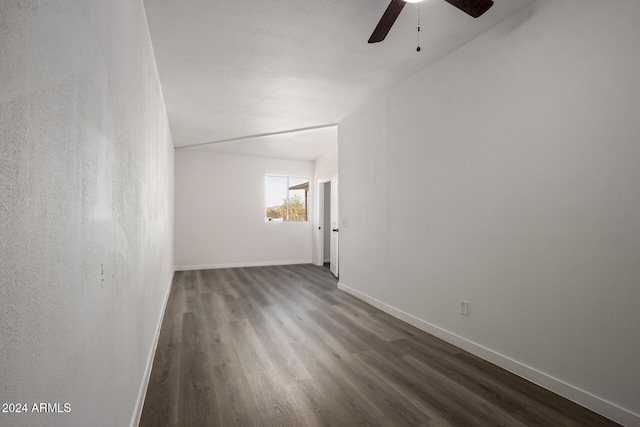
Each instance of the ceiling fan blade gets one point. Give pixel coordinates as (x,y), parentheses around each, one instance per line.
(387,20)
(474,8)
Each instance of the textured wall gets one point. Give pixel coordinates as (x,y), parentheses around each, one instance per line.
(86,208)
(507,175)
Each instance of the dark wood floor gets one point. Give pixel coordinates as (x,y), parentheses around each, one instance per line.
(282,346)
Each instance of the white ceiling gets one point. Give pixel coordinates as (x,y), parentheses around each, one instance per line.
(232,69)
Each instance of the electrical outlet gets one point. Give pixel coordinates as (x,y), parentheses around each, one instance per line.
(464,307)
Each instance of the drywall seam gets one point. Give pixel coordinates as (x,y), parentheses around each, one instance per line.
(240,265)
(568,391)
(137,410)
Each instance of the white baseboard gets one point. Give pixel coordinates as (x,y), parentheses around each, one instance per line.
(568,391)
(137,411)
(239,265)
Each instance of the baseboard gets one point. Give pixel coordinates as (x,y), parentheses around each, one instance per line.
(577,395)
(137,412)
(239,265)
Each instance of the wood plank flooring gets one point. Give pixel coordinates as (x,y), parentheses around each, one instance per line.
(282,346)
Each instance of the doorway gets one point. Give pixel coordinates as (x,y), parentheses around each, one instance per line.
(326,226)
(327,241)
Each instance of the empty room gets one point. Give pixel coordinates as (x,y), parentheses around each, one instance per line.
(328,213)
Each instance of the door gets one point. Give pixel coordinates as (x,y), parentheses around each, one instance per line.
(333,263)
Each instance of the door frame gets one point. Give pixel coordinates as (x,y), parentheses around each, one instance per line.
(320,226)
(334,253)
(319,229)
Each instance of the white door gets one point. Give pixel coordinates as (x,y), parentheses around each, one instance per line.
(333,264)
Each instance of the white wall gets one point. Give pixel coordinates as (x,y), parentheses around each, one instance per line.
(220,212)
(507,174)
(86,209)
(326,167)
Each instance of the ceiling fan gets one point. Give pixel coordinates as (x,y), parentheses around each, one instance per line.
(474,8)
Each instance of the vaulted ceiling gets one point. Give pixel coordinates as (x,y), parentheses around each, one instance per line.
(235,69)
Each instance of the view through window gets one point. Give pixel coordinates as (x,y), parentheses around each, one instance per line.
(287,198)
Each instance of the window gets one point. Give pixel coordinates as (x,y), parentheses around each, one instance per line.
(287,199)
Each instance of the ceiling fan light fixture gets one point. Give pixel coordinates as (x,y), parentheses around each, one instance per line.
(475,8)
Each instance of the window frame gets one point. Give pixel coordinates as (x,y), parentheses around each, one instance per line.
(288,187)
